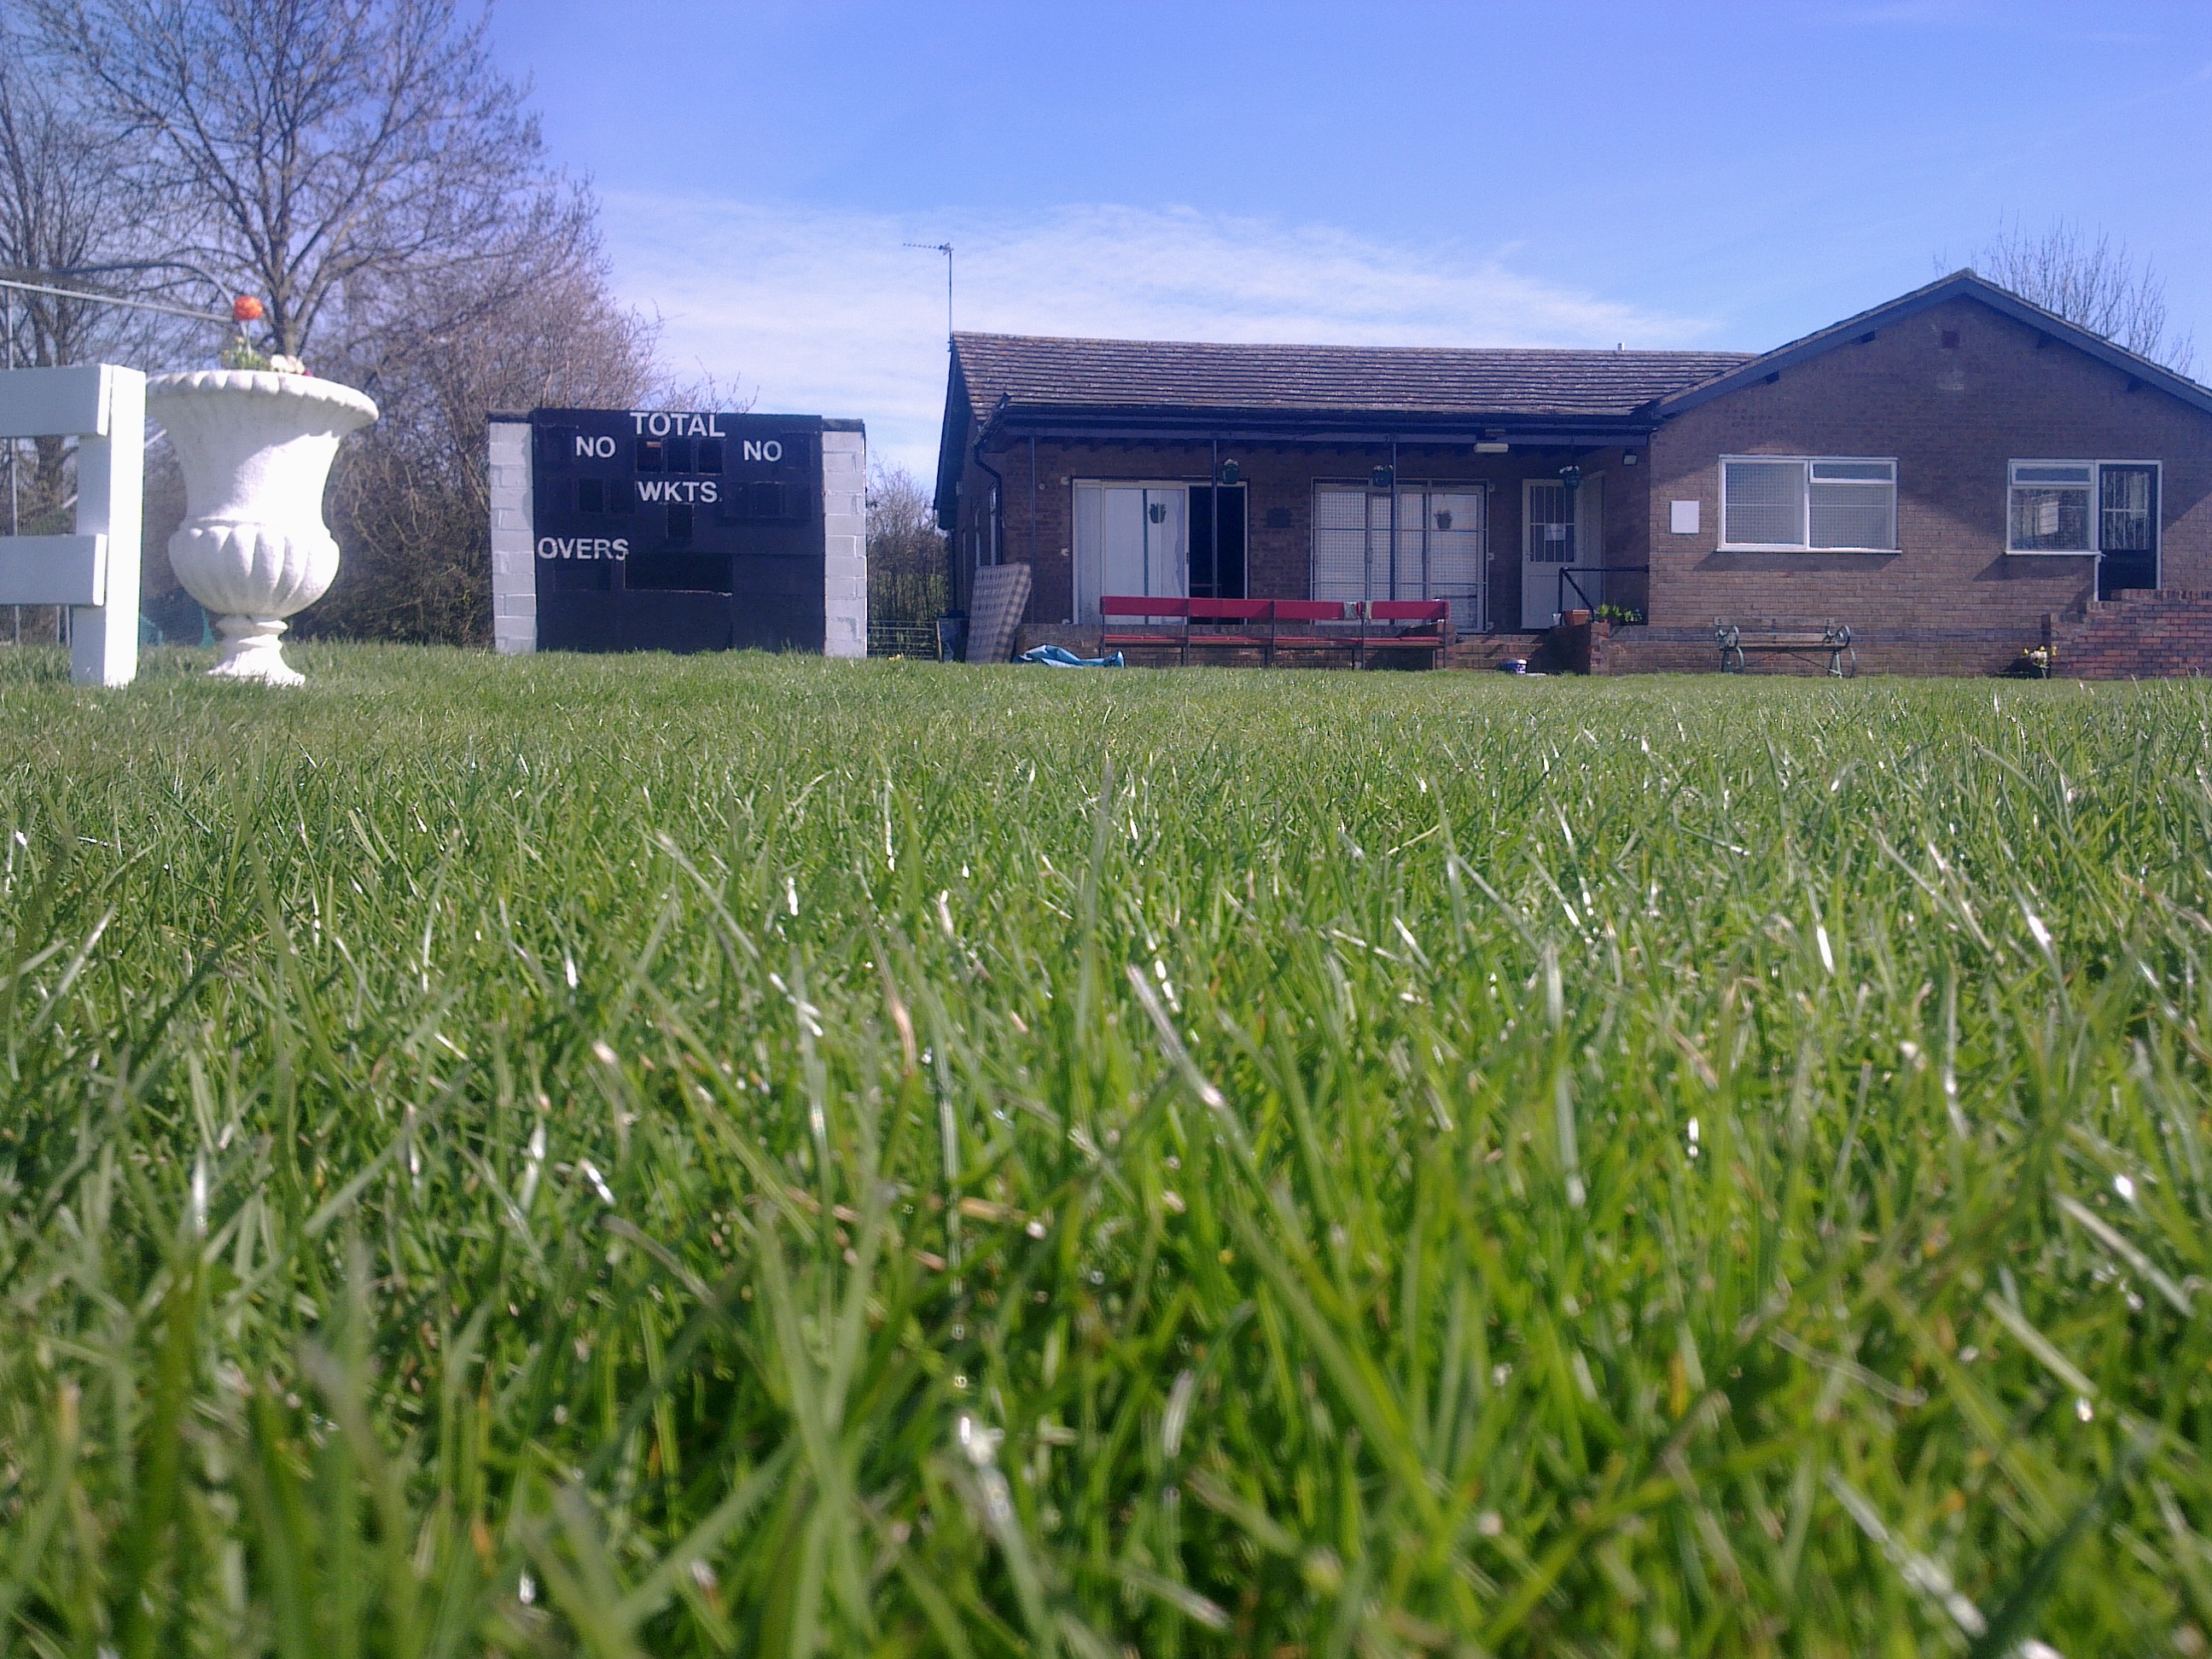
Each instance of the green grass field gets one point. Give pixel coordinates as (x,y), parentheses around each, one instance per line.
(745,1155)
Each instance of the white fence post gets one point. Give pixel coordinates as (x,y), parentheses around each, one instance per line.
(94,571)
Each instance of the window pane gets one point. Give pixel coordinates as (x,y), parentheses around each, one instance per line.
(2130,508)
(1765,503)
(2062,472)
(1455,527)
(1340,543)
(1551,529)
(1412,544)
(1866,471)
(2050,521)
(1854,515)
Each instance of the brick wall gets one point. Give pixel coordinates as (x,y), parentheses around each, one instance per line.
(2166,634)
(1693,651)
(1953,417)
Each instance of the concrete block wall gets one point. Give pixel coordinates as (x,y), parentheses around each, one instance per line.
(845,532)
(513,551)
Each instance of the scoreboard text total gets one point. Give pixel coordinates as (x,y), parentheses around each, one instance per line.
(662,443)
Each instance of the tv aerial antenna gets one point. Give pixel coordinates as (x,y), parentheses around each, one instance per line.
(946,248)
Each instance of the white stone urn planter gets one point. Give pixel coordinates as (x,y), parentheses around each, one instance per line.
(256,450)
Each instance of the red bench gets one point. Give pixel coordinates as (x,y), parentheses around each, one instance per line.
(1301,625)
(1232,625)
(1272,627)
(1428,627)
(1115,608)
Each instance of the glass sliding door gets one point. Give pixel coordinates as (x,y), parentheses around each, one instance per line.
(1454,553)
(1130,539)
(1440,551)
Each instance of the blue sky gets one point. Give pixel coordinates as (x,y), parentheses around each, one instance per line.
(1657,174)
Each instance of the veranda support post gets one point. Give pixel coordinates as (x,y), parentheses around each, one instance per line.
(93,570)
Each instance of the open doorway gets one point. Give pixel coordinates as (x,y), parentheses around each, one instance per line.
(1217,574)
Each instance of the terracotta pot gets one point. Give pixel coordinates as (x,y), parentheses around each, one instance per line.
(1575,618)
(256,450)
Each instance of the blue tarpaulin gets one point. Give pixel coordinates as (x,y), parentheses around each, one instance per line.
(1059,656)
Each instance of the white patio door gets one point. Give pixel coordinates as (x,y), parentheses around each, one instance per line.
(1560,529)
(1449,558)
(1130,539)
(1440,552)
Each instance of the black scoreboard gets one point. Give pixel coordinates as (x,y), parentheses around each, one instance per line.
(663,530)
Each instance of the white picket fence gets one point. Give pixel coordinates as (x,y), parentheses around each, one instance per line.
(95,570)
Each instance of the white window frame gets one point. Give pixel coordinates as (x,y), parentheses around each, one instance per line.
(2096,506)
(1808,462)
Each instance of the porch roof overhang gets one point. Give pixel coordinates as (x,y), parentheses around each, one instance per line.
(1180,424)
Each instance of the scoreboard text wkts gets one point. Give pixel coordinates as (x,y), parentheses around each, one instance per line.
(676,531)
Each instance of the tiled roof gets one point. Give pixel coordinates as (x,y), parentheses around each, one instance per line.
(1039,372)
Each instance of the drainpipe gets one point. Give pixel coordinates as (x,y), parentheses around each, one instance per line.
(1033,509)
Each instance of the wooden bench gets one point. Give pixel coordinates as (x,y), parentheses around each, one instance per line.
(1805,639)
(1300,627)
(1426,627)
(1117,612)
(1230,624)
(1146,622)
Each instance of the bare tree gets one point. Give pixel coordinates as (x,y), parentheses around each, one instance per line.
(906,549)
(65,198)
(409,497)
(2091,280)
(67,202)
(326,146)
(364,169)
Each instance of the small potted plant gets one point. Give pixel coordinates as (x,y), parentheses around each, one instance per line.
(255,439)
(1578,618)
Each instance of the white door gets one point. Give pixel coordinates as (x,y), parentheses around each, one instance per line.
(1130,539)
(1561,529)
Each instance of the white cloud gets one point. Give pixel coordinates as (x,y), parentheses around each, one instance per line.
(827,314)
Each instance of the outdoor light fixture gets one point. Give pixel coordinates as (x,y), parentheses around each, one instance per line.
(1230,473)
(1384,477)
(1571,475)
(1492,447)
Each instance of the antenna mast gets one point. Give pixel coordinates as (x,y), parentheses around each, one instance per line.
(946,248)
